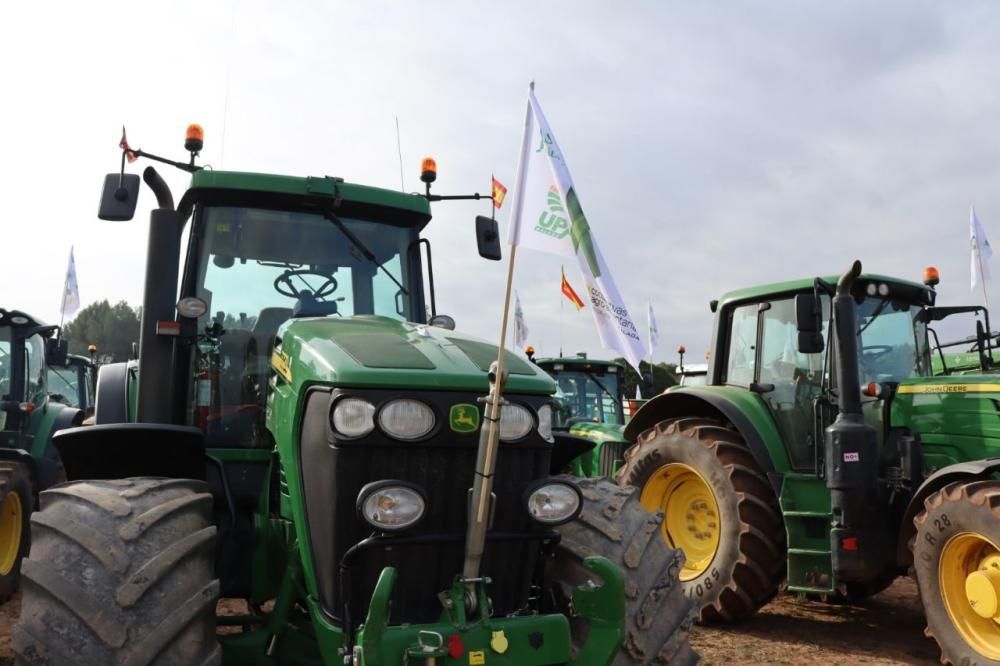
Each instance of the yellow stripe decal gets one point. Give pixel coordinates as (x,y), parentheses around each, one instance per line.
(949,388)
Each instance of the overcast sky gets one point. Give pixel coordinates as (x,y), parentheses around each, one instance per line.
(713,145)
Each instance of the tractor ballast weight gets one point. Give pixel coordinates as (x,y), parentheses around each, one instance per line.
(851,456)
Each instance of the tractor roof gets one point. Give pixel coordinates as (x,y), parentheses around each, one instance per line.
(18,318)
(577,363)
(325,186)
(793,286)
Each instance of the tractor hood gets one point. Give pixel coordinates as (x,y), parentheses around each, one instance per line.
(380,352)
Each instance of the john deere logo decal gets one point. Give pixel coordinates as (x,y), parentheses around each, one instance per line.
(464,418)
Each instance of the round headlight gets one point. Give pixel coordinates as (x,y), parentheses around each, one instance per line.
(391,506)
(515,422)
(353,417)
(191,307)
(871,289)
(555,503)
(883,289)
(545,422)
(406,419)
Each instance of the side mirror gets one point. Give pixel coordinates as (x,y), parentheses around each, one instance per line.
(488,238)
(809,321)
(56,350)
(120,195)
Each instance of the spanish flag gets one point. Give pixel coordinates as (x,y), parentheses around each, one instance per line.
(499,192)
(569,293)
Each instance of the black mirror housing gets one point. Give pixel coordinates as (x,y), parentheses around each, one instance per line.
(56,350)
(809,322)
(120,195)
(488,238)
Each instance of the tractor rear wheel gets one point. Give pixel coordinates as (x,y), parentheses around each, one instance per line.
(956,559)
(16,502)
(120,572)
(613,524)
(719,509)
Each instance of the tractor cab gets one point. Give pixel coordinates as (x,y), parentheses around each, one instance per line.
(73,384)
(25,346)
(588,391)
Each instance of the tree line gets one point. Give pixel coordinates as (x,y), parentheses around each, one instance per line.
(112,328)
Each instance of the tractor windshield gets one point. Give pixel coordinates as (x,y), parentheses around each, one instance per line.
(586,397)
(892,341)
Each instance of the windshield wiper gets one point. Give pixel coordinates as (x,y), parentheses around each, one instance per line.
(600,385)
(875,313)
(368,254)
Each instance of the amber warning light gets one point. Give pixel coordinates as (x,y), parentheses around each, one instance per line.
(931,276)
(428,170)
(194,138)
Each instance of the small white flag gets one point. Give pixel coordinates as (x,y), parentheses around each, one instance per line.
(546,215)
(71,291)
(981,250)
(520,328)
(654,332)
(638,392)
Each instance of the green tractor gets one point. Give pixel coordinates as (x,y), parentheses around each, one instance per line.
(825,452)
(29,462)
(590,408)
(74,383)
(304,432)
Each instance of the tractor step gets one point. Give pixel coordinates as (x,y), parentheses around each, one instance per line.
(805,506)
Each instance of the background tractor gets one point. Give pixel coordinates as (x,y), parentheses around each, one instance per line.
(74,383)
(826,453)
(28,419)
(296,432)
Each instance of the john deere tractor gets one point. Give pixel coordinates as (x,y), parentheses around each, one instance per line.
(826,453)
(74,382)
(589,405)
(28,419)
(300,434)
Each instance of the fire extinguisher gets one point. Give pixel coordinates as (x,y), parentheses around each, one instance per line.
(205,388)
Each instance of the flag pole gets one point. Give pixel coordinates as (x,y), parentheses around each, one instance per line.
(489,435)
(982,273)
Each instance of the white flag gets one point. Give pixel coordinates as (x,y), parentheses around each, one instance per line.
(71,291)
(546,215)
(520,328)
(981,250)
(654,332)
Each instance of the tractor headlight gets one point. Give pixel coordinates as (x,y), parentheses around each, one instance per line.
(353,417)
(545,422)
(515,422)
(391,506)
(554,503)
(406,419)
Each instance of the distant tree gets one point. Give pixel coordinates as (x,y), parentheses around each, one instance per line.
(664,375)
(113,328)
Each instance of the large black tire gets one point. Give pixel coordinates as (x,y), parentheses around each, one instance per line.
(748,564)
(16,503)
(121,572)
(613,524)
(964,517)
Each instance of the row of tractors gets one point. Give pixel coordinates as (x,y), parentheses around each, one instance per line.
(305,432)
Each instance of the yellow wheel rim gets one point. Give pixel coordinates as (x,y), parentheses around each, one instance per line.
(10,532)
(691,520)
(969,580)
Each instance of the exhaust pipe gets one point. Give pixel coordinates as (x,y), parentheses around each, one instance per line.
(858,542)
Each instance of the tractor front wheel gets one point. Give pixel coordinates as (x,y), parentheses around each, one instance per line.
(120,572)
(719,509)
(956,559)
(16,502)
(613,524)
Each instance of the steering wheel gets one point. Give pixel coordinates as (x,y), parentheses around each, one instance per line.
(284,286)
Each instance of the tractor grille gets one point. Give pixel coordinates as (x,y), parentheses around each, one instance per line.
(334,472)
(611,457)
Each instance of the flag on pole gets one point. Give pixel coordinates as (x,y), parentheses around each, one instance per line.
(569,293)
(123,144)
(546,215)
(71,291)
(520,328)
(654,332)
(499,192)
(981,250)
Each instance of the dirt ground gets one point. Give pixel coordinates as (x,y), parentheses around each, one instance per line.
(888,629)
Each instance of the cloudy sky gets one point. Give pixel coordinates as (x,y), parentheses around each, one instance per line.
(714,144)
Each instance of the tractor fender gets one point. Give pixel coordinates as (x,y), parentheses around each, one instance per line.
(566,449)
(23,457)
(111,395)
(973,469)
(683,403)
(120,450)
(47,457)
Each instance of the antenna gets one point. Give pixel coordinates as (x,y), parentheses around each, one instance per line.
(399,149)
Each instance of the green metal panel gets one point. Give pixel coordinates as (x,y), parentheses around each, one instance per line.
(805,505)
(766,291)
